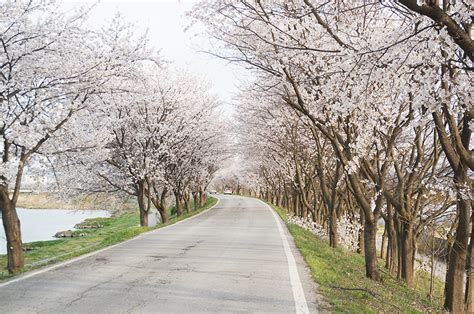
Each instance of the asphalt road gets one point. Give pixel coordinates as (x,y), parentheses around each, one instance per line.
(234,257)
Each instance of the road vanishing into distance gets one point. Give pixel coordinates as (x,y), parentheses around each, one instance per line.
(238,256)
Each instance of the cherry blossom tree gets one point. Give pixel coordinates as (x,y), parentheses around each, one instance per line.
(162,135)
(384,104)
(52,71)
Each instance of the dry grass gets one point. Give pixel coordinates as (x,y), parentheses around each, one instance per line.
(51,201)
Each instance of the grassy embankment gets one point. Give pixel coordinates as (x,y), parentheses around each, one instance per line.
(115,229)
(340,275)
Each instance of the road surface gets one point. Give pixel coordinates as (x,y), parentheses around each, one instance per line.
(234,257)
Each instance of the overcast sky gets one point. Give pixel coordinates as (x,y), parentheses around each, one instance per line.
(166,22)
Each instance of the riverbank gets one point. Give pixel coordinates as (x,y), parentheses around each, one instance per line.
(340,275)
(115,229)
(45,200)
(41,225)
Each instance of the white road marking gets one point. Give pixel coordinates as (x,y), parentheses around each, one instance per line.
(298,293)
(81,257)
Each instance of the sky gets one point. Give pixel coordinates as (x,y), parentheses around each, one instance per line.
(166,23)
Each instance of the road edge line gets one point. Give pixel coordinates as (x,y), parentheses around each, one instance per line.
(81,257)
(301,306)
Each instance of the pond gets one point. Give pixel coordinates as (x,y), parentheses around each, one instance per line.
(42,224)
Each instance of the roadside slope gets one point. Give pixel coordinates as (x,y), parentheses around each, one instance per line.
(340,275)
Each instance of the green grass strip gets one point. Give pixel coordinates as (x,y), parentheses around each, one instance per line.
(340,275)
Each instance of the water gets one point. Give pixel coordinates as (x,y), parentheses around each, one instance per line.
(42,224)
(153,217)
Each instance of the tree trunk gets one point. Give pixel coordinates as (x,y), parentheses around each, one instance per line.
(143,218)
(196,200)
(203,197)
(470,272)
(187,202)
(398,230)
(391,261)
(432,263)
(291,204)
(407,252)
(360,249)
(383,248)
(333,232)
(297,205)
(304,210)
(163,215)
(141,204)
(179,204)
(370,249)
(199,198)
(11,224)
(454,288)
(279,200)
(456,147)
(160,203)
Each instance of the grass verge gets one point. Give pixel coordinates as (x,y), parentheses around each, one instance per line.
(340,275)
(115,230)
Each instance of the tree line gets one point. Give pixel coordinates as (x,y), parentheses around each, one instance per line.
(101,112)
(360,111)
